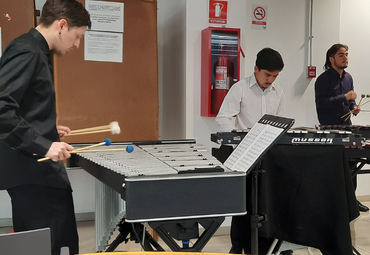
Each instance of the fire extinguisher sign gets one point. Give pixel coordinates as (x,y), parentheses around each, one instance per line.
(218,12)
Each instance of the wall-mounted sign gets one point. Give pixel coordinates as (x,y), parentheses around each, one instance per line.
(218,12)
(106,16)
(259,17)
(103,46)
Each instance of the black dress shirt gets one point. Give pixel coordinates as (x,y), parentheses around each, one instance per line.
(331,103)
(28,114)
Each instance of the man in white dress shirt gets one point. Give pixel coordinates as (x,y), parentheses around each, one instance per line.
(245,103)
(254,96)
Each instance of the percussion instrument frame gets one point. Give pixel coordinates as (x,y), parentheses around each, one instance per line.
(173,204)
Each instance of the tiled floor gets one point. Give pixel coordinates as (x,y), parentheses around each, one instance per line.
(221,243)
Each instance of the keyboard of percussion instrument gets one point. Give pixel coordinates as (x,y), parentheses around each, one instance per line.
(299,136)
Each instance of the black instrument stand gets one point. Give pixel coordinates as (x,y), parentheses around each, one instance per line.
(256,218)
(357,169)
(184,230)
(135,230)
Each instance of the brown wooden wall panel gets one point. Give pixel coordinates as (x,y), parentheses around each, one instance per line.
(22,15)
(92,93)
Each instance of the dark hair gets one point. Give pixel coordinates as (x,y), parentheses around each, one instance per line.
(269,60)
(71,10)
(331,52)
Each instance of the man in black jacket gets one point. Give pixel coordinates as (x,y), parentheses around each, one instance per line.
(41,193)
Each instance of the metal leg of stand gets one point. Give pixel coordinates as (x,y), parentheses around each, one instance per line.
(127,228)
(354,168)
(254,216)
(183,230)
(309,250)
(153,242)
(269,252)
(124,229)
(354,249)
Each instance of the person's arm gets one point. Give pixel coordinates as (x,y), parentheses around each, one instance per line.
(351,96)
(324,96)
(59,151)
(229,108)
(281,109)
(16,71)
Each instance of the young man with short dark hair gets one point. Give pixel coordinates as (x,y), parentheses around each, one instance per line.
(40,192)
(254,96)
(248,100)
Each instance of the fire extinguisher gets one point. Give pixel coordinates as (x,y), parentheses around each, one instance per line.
(221,80)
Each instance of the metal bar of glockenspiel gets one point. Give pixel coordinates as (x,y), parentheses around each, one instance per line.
(98,200)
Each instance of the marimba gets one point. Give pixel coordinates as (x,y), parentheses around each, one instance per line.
(356,129)
(165,183)
(360,157)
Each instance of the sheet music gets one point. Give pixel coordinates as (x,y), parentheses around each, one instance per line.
(258,139)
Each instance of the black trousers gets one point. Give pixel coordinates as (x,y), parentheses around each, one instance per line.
(36,206)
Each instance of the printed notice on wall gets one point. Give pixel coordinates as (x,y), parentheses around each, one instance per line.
(106,16)
(259,17)
(103,46)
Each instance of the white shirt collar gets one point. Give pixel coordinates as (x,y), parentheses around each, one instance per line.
(253,82)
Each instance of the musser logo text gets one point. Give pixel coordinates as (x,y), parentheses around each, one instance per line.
(312,140)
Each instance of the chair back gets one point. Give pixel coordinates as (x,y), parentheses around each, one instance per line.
(27,242)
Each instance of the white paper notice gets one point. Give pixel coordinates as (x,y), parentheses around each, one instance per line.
(103,46)
(106,16)
(252,146)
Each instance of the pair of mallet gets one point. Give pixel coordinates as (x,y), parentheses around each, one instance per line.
(107,142)
(360,104)
(112,127)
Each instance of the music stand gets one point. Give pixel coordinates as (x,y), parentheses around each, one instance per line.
(247,155)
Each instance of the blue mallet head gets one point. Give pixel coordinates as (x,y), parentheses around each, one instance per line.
(129,148)
(108,141)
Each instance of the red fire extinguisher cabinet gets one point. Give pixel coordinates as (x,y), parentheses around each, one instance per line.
(220,66)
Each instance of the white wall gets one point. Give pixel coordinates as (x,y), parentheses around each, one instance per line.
(287,32)
(354,27)
(39,4)
(171,24)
